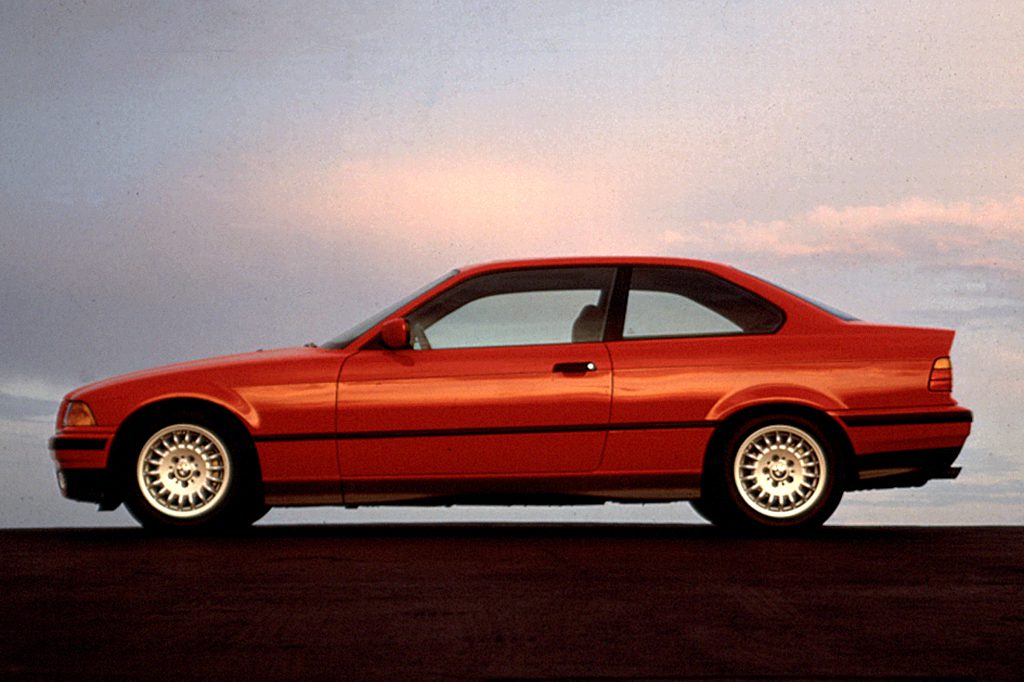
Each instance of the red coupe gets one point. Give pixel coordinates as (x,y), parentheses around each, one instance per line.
(567,381)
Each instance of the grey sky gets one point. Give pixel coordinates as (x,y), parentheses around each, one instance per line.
(187,179)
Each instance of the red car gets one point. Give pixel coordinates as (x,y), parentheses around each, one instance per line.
(561,381)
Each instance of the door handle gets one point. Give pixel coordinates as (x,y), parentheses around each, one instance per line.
(573,367)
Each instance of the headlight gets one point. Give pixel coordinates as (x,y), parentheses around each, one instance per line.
(78,414)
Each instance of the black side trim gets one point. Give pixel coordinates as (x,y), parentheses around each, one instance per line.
(958,417)
(506,431)
(70,443)
(647,426)
(278,437)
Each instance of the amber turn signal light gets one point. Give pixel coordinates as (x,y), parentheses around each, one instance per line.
(941,377)
(78,414)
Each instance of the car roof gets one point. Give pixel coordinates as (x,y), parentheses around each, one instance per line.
(568,261)
(800,313)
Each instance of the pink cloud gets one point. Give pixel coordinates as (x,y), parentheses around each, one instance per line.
(1004,216)
(474,206)
(961,231)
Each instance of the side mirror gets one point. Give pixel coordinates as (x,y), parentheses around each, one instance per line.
(395,334)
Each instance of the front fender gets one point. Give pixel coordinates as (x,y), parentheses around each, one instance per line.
(113,403)
(208,392)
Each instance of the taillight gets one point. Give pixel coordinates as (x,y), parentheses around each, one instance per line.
(941,378)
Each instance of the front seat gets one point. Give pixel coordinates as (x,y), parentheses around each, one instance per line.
(589,325)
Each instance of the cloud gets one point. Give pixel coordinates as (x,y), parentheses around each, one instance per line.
(967,233)
(462,206)
(29,388)
(993,217)
(998,264)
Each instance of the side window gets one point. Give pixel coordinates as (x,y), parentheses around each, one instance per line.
(517,308)
(659,313)
(672,302)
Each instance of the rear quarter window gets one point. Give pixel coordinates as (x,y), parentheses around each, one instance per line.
(674,302)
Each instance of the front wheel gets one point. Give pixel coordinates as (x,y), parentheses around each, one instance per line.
(778,472)
(189,472)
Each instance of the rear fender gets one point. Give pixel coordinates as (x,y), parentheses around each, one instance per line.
(773,394)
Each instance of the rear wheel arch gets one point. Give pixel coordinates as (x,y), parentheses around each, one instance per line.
(720,498)
(831,428)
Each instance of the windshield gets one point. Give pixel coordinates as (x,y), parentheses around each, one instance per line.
(355,332)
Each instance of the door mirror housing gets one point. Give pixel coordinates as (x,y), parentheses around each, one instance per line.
(395,333)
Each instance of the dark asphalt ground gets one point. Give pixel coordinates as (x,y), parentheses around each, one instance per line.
(500,602)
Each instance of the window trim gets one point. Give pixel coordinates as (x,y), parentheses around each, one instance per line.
(608,312)
(615,326)
(615,316)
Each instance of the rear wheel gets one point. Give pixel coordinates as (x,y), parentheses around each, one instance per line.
(777,472)
(191,471)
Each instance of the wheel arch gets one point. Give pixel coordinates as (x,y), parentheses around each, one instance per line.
(136,423)
(831,427)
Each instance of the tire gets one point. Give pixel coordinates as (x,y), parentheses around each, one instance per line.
(191,472)
(708,511)
(776,472)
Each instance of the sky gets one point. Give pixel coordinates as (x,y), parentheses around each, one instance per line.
(181,180)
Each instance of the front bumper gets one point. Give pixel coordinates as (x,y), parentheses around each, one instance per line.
(84,485)
(82,473)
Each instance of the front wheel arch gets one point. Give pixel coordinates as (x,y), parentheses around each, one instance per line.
(140,425)
(130,427)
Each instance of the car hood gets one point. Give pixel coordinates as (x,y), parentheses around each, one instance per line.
(207,366)
(242,383)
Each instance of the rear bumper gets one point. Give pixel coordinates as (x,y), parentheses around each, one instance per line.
(906,430)
(905,447)
(903,469)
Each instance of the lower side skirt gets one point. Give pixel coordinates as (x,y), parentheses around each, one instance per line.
(506,491)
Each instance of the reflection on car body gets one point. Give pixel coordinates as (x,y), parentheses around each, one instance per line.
(560,381)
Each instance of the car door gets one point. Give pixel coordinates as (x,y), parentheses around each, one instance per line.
(507,375)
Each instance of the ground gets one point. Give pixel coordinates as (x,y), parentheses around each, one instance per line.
(513,602)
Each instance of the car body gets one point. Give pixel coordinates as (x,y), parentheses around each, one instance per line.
(555,381)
